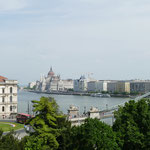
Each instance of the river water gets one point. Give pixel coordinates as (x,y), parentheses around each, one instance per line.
(64,101)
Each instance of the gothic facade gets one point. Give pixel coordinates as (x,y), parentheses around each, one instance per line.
(53,83)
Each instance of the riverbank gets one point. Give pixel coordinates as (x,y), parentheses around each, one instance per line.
(79,93)
(61,93)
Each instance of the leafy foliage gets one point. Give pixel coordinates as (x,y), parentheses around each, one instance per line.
(9,142)
(92,135)
(45,125)
(133,125)
(65,134)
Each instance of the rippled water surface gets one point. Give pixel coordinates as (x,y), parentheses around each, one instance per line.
(64,101)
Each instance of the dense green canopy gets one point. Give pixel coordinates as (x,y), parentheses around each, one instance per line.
(91,135)
(45,126)
(133,125)
(9,142)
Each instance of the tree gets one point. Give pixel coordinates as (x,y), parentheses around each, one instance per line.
(9,141)
(45,125)
(92,135)
(65,135)
(133,125)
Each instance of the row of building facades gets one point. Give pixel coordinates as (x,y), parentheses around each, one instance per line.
(53,82)
(8,88)
(112,86)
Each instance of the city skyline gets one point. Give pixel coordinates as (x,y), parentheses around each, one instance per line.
(107,38)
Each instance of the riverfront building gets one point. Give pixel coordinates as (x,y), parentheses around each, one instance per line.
(103,85)
(81,84)
(123,86)
(93,86)
(53,83)
(8,98)
(65,85)
(141,86)
(111,86)
(97,86)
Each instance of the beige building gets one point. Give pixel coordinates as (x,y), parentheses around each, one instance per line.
(8,97)
(123,86)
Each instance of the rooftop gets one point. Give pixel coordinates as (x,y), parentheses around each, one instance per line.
(2,79)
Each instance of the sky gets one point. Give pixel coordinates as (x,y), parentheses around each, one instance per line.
(109,38)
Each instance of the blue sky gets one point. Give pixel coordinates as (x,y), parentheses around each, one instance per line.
(107,38)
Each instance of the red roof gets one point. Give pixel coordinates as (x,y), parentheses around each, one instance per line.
(2,78)
(24,114)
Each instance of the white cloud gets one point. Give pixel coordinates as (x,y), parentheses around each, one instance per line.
(8,5)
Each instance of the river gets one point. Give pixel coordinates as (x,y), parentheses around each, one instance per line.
(64,101)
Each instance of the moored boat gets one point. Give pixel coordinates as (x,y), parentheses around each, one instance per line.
(100,95)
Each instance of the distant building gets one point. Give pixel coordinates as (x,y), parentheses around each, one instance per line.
(111,86)
(103,85)
(92,86)
(140,86)
(81,85)
(65,85)
(8,97)
(97,86)
(32,85)
(123,86)
(53,83)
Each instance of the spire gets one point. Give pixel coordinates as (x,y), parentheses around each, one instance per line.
(51,70)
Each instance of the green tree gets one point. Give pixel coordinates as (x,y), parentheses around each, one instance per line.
(92,135)
(65,135)
(9,141)
(104,92)
(45,125)
(133,125)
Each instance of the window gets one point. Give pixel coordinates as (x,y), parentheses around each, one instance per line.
(11,108)
(3,90)
(10,98)
(3,108)
(3,99)
(11,90)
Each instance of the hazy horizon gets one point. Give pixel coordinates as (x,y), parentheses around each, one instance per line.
(107,38)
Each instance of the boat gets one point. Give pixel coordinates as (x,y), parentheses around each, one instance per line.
(100,95)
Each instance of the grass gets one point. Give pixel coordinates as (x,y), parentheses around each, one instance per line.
(6,126)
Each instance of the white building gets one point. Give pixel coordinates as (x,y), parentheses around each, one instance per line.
(81,85)
(8,97)
(93,86)
(94,113)
(32,85)
(65,85)
(97,86)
